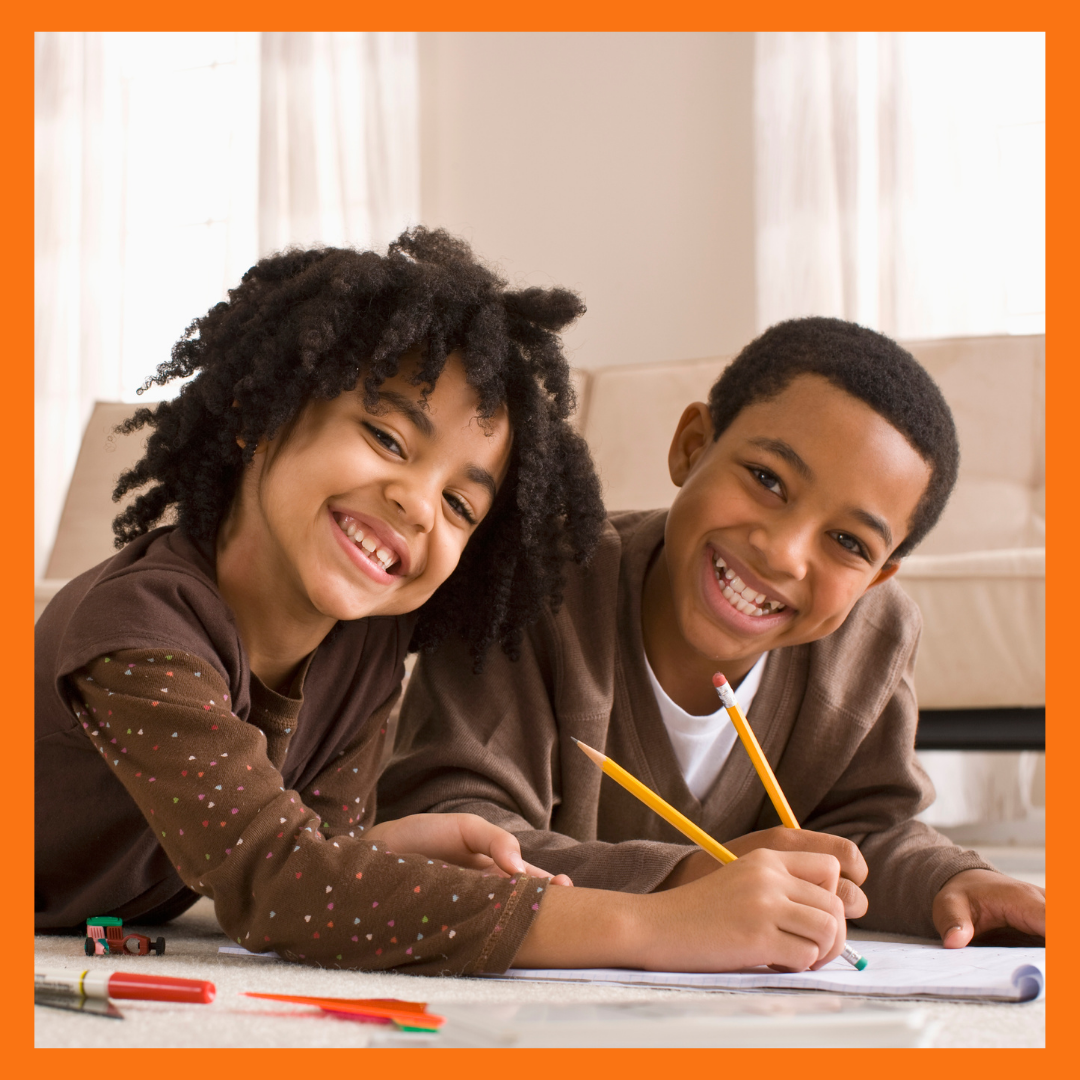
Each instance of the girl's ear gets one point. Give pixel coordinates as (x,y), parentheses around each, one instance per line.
(692,438)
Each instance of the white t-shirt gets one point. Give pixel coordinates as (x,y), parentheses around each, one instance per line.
(702,743)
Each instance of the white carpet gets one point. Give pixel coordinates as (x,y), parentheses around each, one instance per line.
(233,1020)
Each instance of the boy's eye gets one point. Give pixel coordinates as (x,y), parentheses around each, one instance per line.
(460,508)
(767,480)
(852,544)
(387,440)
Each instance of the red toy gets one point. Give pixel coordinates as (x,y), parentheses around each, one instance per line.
(105,935)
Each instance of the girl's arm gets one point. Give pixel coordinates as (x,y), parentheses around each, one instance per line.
(206,784)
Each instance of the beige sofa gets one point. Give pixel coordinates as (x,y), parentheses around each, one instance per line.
(979,577)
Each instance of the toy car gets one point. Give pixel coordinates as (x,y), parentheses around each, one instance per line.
(105,936)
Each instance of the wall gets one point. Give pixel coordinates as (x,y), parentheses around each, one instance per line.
(619,165)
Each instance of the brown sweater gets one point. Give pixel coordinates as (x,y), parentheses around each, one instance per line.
(836,718)
(166,770)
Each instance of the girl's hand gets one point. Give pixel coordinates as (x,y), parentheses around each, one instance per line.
(775,908)
(462,839)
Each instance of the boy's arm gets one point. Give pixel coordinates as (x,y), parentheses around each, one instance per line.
(874,802)
(492,745)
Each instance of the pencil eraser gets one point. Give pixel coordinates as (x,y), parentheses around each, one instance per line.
(861,963)
(719,679)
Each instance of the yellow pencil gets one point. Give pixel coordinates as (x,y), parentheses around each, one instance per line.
(654,802)
(768,777)
(681,822)
(749,740)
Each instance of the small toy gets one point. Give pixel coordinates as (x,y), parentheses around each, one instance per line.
(105,935)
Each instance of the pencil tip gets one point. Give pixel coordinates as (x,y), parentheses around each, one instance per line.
(573,740)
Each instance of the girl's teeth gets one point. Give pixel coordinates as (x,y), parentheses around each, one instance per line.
(384,556)
(350,532)
(368,544)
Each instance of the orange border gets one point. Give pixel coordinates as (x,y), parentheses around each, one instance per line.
(16,77)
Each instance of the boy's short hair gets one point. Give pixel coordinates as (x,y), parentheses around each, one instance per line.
(312,324)
(870,367)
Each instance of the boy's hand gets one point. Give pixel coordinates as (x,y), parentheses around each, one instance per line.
(976,901)
(462,839)
(852,865)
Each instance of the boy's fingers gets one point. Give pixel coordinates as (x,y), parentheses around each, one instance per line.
(952,920)
(853,898)
(811,866)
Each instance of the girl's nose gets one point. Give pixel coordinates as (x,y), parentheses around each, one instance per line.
(416,500)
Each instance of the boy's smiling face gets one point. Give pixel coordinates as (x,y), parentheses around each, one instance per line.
(780,525)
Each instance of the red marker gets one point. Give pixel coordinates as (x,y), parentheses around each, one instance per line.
(121,984)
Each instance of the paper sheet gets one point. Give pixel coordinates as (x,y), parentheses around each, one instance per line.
(894,970)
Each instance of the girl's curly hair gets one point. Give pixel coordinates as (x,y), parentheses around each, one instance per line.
(312,324)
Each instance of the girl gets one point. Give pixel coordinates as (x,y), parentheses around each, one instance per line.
(374,454)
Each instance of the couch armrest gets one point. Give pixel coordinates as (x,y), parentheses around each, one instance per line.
(984,634)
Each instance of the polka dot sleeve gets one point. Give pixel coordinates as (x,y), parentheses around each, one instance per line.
(204,781)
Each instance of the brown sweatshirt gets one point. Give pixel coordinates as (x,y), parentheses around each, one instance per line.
(836,718)
(166,770)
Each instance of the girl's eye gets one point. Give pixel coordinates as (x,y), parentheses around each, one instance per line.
(387,440)
(460,508)
(852,544)
(767,480)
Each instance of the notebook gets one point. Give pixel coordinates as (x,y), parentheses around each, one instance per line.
(894,971)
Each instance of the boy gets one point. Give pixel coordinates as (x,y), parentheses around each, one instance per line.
(824,455)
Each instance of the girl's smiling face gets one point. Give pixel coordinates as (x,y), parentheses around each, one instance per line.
(361,511)
(781,525)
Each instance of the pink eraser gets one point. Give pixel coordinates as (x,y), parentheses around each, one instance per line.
(718,679)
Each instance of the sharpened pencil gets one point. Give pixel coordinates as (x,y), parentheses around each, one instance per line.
(654,802)
(768,777)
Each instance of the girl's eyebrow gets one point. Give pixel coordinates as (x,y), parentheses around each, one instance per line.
(409,409)
(481,476)
(420,419)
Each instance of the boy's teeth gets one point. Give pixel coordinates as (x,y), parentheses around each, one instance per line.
(741,596)
(368,544)
(384,556)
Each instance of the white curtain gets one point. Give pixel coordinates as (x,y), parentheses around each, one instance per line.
(899,180)
(165,165)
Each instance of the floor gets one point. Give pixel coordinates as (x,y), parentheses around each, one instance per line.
(234,1020)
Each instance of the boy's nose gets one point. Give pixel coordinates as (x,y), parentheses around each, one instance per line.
(784,548)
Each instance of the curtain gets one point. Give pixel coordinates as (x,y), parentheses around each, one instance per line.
(165,165)
(899,183)
(899,180)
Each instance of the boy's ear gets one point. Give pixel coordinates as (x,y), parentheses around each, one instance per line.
(692,438)
(886,572)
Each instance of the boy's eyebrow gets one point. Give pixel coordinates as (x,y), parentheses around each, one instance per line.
(786,451)
(410,409)
(879,526)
